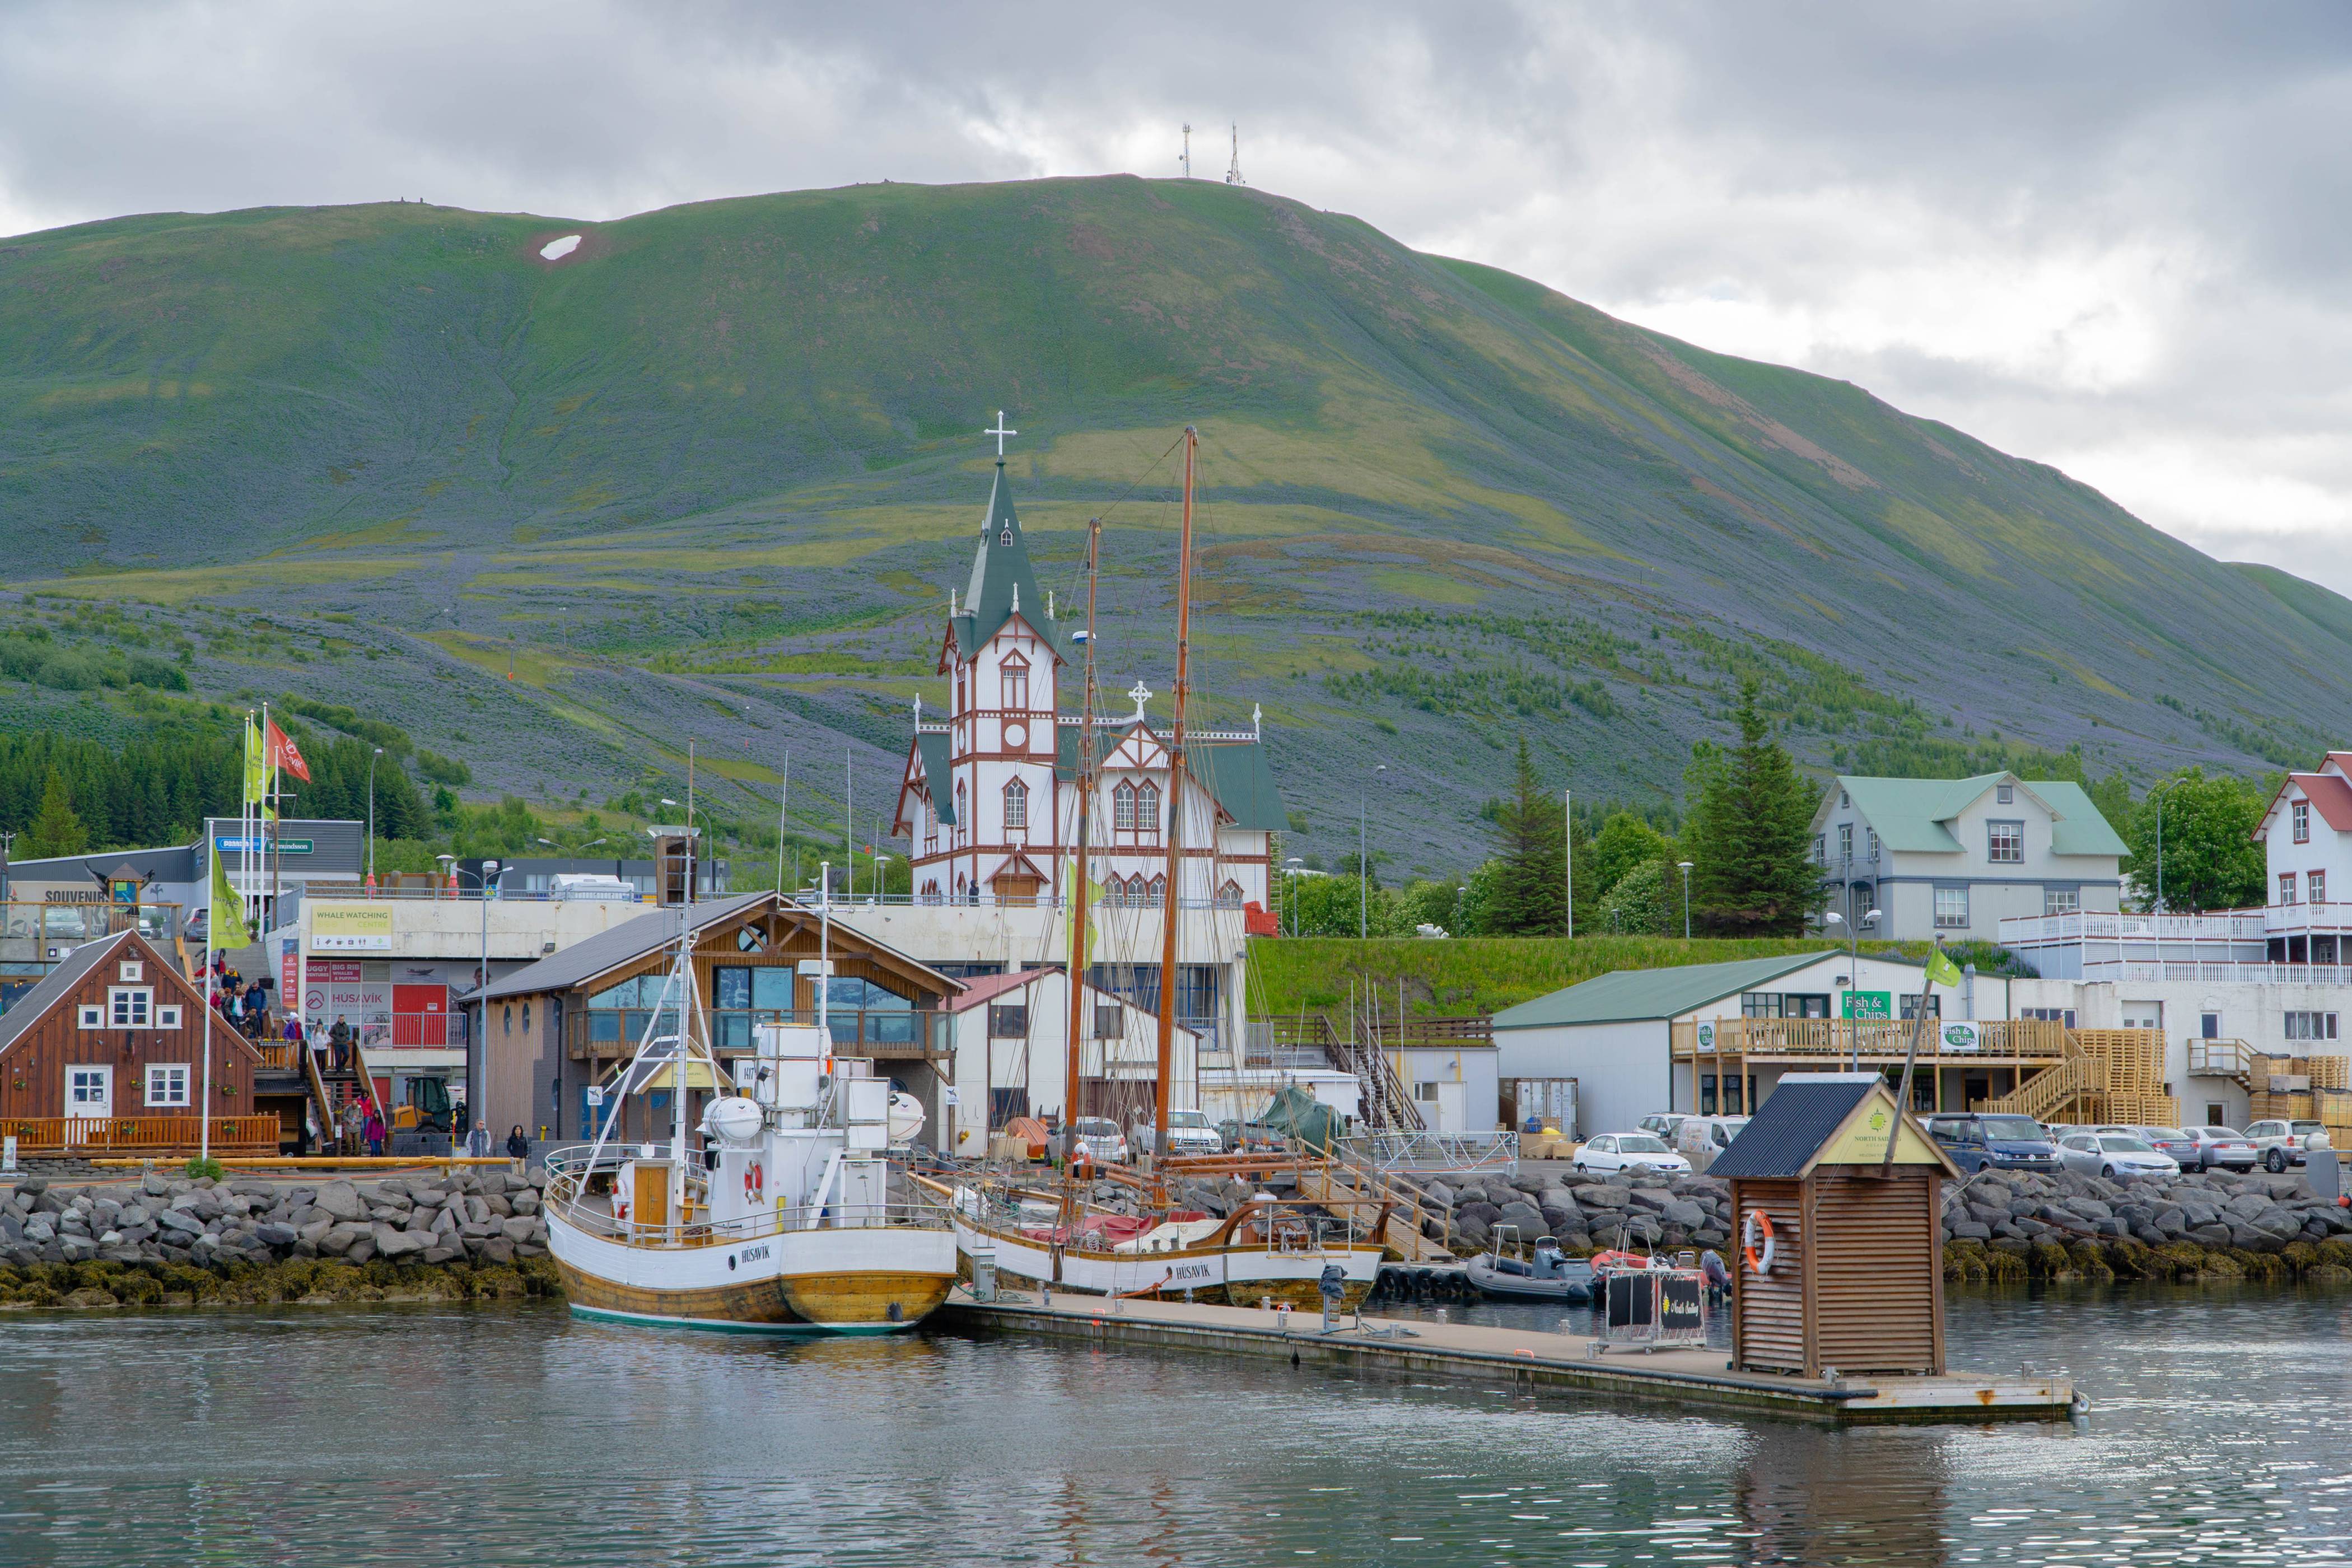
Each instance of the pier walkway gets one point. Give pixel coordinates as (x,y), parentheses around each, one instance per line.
(1523,1358)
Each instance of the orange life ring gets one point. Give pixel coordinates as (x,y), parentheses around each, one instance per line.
(1756,1220)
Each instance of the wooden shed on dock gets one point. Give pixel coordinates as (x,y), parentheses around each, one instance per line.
(1852,1275)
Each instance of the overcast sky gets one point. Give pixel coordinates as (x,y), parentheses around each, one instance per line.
(2110,237)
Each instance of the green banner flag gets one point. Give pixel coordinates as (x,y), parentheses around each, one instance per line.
(1942,969)
(227,925)
(257,770)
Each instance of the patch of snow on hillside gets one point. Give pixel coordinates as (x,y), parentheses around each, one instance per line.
(557,249)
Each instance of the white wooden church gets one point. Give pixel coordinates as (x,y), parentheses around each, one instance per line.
(989,798)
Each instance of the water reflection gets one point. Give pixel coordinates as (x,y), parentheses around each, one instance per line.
(361,1437)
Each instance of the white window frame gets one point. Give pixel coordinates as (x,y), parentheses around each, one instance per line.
(129,1007)
(161,1073)
(1845,840)
(93,1014)
(1123,807)
(1995,830)
(2300,812)
(1874,844)
(2286,887)
(167,1016)
(1942,922)
(2316,886)
(1017,805)
(2062,901)
(2004,795)
(2310,1025)
(131,971)
(102,1074)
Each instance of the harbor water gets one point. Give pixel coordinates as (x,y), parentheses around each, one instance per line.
(2221,1433)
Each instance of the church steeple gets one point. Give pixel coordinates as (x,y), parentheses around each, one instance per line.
(1003,580)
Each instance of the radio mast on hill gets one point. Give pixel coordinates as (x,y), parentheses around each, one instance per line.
(1185,158)
(1234,170)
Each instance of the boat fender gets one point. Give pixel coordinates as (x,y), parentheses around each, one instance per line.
(1758,1220)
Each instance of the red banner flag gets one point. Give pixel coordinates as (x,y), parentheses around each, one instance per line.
(285,754)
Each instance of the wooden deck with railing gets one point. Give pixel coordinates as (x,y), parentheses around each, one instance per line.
(120,1135)
(2005,1040)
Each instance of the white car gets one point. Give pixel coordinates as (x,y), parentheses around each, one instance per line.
(1099,1140)
(2118,1156)
(1664,1124)
(1630,1151)
(2285,1143)
(1189,1132)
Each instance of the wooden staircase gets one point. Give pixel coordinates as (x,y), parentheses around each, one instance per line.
(2080,1077)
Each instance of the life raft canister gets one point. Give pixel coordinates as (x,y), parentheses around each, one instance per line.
(1756,1221)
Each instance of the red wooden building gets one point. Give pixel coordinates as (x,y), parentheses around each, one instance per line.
(106,1054)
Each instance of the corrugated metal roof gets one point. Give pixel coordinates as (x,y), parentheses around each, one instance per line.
(623,943)
(1909,815)
(1795,1121)
(1630,995)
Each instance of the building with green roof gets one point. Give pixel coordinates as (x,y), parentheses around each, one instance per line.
(1954,857)
(1613,1034)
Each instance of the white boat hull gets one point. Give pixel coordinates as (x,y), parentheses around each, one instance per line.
(1241,1275)
(846,1280)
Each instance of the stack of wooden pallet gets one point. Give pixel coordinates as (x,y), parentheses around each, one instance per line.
(2133,1064)
(2300,1088)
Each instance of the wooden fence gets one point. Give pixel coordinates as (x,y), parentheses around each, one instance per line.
(173,1135)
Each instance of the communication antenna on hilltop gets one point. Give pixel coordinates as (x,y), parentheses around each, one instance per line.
(1234,170)
(1185,157)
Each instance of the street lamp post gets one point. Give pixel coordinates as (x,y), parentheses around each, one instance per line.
(1291,892)
(377,753)
(1686,871)
(476,1053)
(2155,793)
(1852,979)
(1364,865)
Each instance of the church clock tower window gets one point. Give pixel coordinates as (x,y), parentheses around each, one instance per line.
(1016,806)
(1015,679)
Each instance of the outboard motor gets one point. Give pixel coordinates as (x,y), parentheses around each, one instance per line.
(1547,1259)
(1333,1284)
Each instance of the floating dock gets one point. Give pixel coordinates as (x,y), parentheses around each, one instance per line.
(1521,1358)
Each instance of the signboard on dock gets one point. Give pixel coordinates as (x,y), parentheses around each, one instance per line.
(1962,1036)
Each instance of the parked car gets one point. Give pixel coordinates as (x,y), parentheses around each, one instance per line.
(2118,1156)
(1099,1140)
(2285,1143)
(1664,1125)
(1701,1138)
(1628,1152)
(1189,1132)
(1976,1139)
(2169,1141)
(2221,1146)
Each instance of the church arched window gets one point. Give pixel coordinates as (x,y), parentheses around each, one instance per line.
(1123,807)
(1014,677)
(1147,808)
(963,817)
(1005,538)
(1229,897)
(1158,889)
(1017,805)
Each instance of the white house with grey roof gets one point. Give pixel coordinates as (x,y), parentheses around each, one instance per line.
(1954,857)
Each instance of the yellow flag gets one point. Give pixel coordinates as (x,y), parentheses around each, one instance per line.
(257,773)
(1942,969)
(227,919)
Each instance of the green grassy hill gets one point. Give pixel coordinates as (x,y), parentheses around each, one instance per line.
(711,476)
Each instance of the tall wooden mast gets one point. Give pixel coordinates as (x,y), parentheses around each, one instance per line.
(1078,976)
(1170,903)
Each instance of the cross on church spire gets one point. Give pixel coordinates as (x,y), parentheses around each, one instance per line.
(1001,432)
(1142,694)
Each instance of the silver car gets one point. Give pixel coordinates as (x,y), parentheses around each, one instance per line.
(2118,1156)
(2220,1146)
(2285,1143)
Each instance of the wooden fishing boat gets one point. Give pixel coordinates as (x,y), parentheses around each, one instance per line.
(790,1219)
(1264,1250)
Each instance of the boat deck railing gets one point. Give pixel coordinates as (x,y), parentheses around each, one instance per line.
(1287,1229)
(566,1197)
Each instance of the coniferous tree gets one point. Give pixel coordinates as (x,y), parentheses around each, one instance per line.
(1750,823)
(1528,895)
(56,830)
